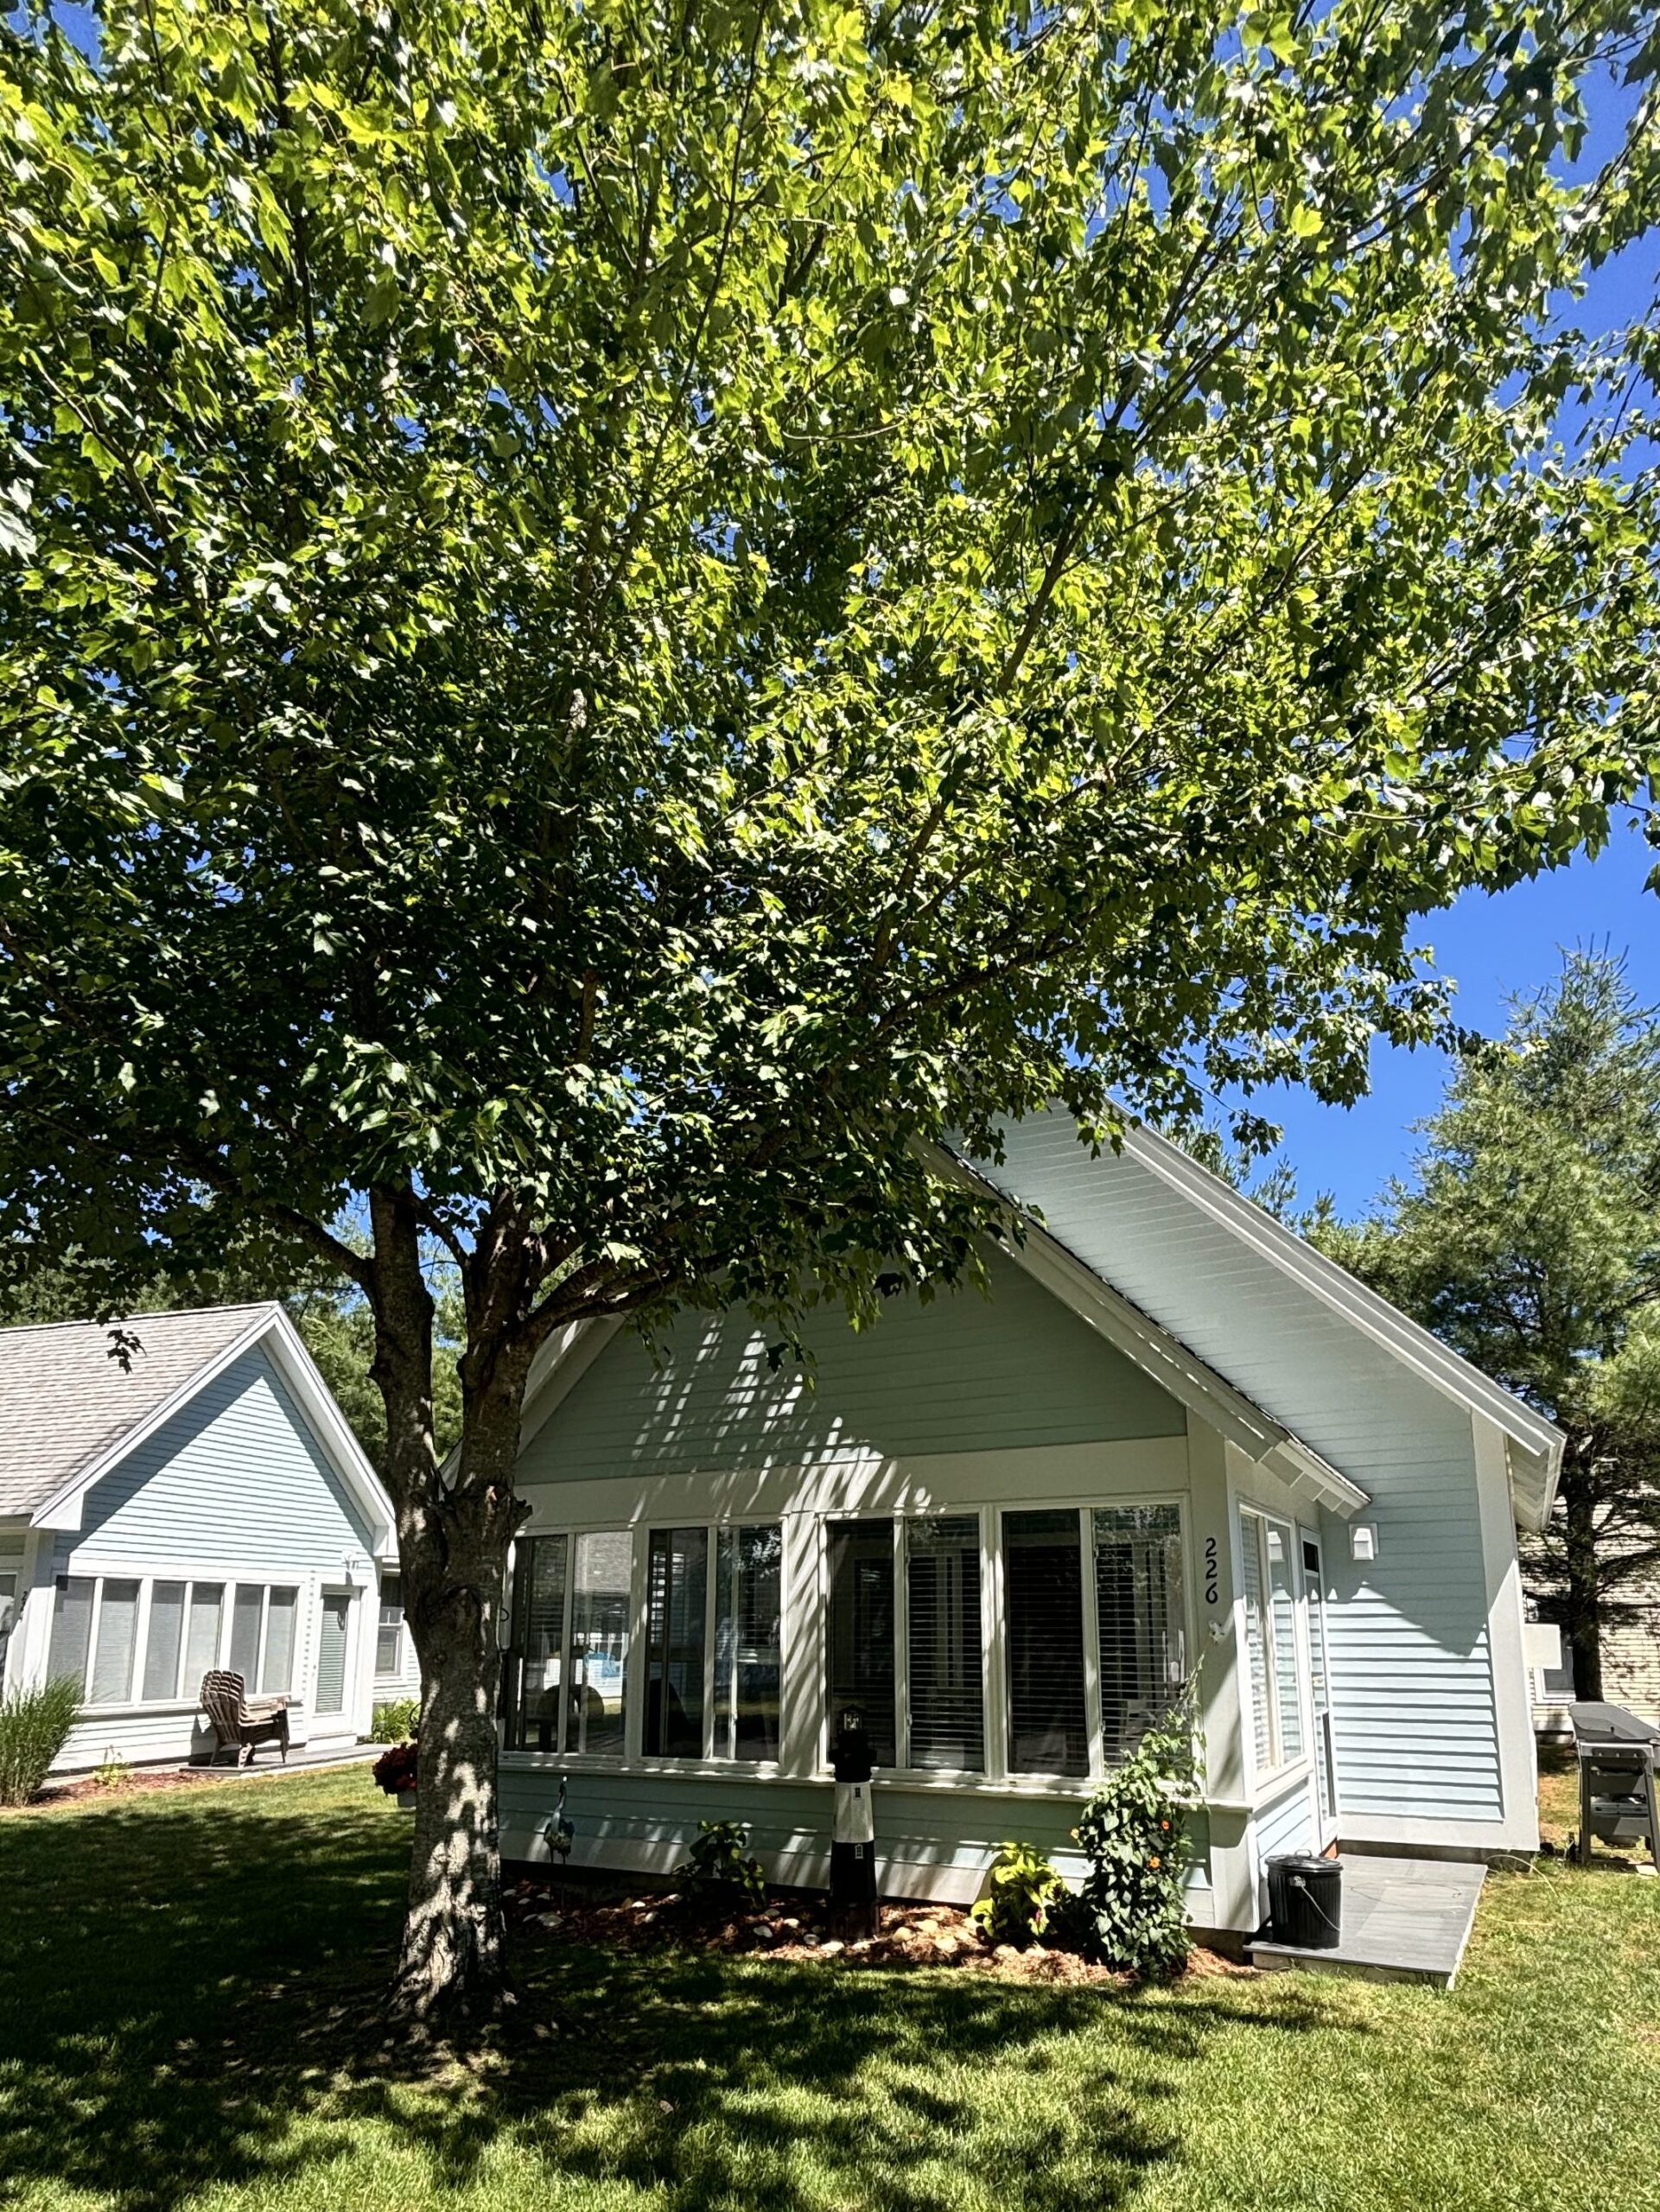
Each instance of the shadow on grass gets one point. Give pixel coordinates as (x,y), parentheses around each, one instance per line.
(187,1998)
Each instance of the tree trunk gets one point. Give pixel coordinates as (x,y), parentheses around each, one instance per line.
(1582,1609)
(453,1539)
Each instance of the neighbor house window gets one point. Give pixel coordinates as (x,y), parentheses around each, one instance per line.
(1270,1595)
(104,1637)
(858,1632)
(389,1635)
(946,1693)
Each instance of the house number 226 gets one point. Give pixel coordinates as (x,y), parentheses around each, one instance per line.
(1210,1571)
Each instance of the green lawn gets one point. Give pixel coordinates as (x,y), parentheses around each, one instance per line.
(186,1986)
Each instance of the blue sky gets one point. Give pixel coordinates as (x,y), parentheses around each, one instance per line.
(1494,946)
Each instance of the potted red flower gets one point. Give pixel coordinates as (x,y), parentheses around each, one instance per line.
(395,1772)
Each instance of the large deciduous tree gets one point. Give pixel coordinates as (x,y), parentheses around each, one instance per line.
(1529,1237)
(613,619)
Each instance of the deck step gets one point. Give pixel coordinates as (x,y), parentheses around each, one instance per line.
(1404,1920)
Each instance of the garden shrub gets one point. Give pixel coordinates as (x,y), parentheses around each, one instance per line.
(720,1876)
(1025,1895)
(34,1725)
(1134,1833)
(391,1722)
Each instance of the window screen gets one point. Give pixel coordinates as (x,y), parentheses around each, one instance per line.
(118,1635)
(532,1678)
(942,1574)
(72,1628)
(276,1671)
(747,1650)
(858,1632)
(677,1612)
(1139,1611)
(165,1639)
(1043,1577)
(601,1574)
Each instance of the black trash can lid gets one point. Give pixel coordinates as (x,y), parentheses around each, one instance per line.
(1305,1862)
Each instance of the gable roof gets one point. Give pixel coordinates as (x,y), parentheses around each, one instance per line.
(69,1412)
(1231,1284)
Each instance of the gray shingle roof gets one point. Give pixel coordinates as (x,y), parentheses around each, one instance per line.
(64,1400)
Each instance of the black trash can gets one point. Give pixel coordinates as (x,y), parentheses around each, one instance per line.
(1305,1901)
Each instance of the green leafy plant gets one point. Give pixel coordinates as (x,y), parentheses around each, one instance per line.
(34,1725)
(397,1718)
(719,1875)
(1130,1912)
(1026,1893)
(113,1772)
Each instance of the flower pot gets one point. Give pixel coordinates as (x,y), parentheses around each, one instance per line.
(406,1801)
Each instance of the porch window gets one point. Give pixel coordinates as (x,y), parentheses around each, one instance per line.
(1138,1598)
(262,1637)
(1269,1593)
(601,1577)
(859,1632)
(535,1668)
(161,1645)
(1043,1582)
(749,1641)
(676,1643)
(122,1650)
(389,1629)
(945,1699)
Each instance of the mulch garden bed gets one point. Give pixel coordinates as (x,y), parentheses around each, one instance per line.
(799,1928)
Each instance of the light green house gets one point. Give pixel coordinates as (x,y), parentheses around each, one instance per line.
(1173,1438)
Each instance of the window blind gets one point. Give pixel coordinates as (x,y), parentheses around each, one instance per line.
(72,1628)
(947,1714)
(748,1653)
(1043,1575)
(118,1635)
(277,1669)
(389,1632)
(676,1610)
(859,1630)
(166,1638)
(202,1633)
(1138,1597)
(245,1609)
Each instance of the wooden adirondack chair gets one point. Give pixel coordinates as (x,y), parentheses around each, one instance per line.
(238,1724)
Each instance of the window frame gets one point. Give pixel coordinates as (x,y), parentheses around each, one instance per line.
(396,1628)
(1280,1765)
(637,1661)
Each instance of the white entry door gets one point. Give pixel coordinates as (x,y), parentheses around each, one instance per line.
(334,1653)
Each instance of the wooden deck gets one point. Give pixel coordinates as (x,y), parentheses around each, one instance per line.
(1404,1920)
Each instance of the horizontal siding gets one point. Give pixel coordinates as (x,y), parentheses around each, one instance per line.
(964,1374)
(233,1480)
(929,1843)
(1411,1676)
(1287,1824)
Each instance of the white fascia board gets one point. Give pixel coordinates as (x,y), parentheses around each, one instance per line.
(63,1509)
(1336,1288)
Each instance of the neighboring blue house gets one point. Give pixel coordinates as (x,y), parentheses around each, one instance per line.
(1174,1437)
(206,1506)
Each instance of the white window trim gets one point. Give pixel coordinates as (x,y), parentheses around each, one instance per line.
(1280,1767)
